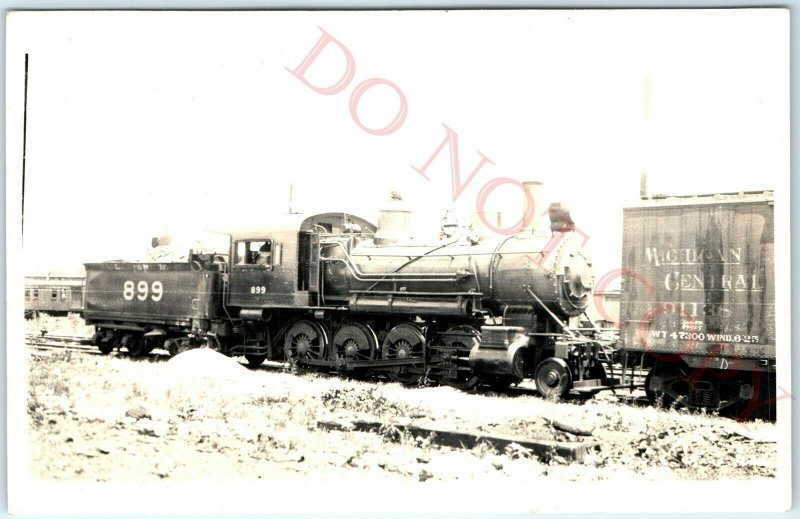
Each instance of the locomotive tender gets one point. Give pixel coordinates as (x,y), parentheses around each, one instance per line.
(336,292)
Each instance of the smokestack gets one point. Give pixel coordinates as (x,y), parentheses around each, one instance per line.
(535,189)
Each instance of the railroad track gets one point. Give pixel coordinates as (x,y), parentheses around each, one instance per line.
(32,337)
(55,343)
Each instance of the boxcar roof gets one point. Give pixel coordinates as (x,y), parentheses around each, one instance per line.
(743,197)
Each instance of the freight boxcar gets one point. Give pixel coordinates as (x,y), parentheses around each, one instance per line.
(698,297)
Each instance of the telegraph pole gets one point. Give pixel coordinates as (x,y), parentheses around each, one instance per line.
(24,140)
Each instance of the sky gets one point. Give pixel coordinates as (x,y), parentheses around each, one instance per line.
(145,123)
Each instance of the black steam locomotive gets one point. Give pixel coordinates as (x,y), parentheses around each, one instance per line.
(335,292)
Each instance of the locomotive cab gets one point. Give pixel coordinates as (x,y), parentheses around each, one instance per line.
(278,267)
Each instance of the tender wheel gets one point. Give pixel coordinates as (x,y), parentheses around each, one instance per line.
(178,345)
(171,345)
(105,341)
(135,345)
(305,340)
(404,341)
(150,345)
(255,360)
(457,342)
(553,378)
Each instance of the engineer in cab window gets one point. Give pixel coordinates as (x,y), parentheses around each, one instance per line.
(265,256)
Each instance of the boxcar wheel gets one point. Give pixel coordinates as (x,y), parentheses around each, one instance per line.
(553,378)
(671,383)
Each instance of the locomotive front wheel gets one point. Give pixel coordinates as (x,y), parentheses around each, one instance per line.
(553,378)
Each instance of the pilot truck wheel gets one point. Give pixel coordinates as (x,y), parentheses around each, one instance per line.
(553,378)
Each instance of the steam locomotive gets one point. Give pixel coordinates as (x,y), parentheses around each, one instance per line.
(335,292)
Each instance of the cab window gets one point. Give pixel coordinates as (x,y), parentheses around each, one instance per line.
(255,252)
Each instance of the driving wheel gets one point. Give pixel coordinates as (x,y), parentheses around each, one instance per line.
(404,341)
(305,340)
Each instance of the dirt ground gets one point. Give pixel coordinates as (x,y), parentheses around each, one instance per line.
(203,416)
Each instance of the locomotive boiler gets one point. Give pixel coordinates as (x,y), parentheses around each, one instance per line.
(334,291)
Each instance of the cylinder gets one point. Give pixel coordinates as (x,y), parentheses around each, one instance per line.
(500,353)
